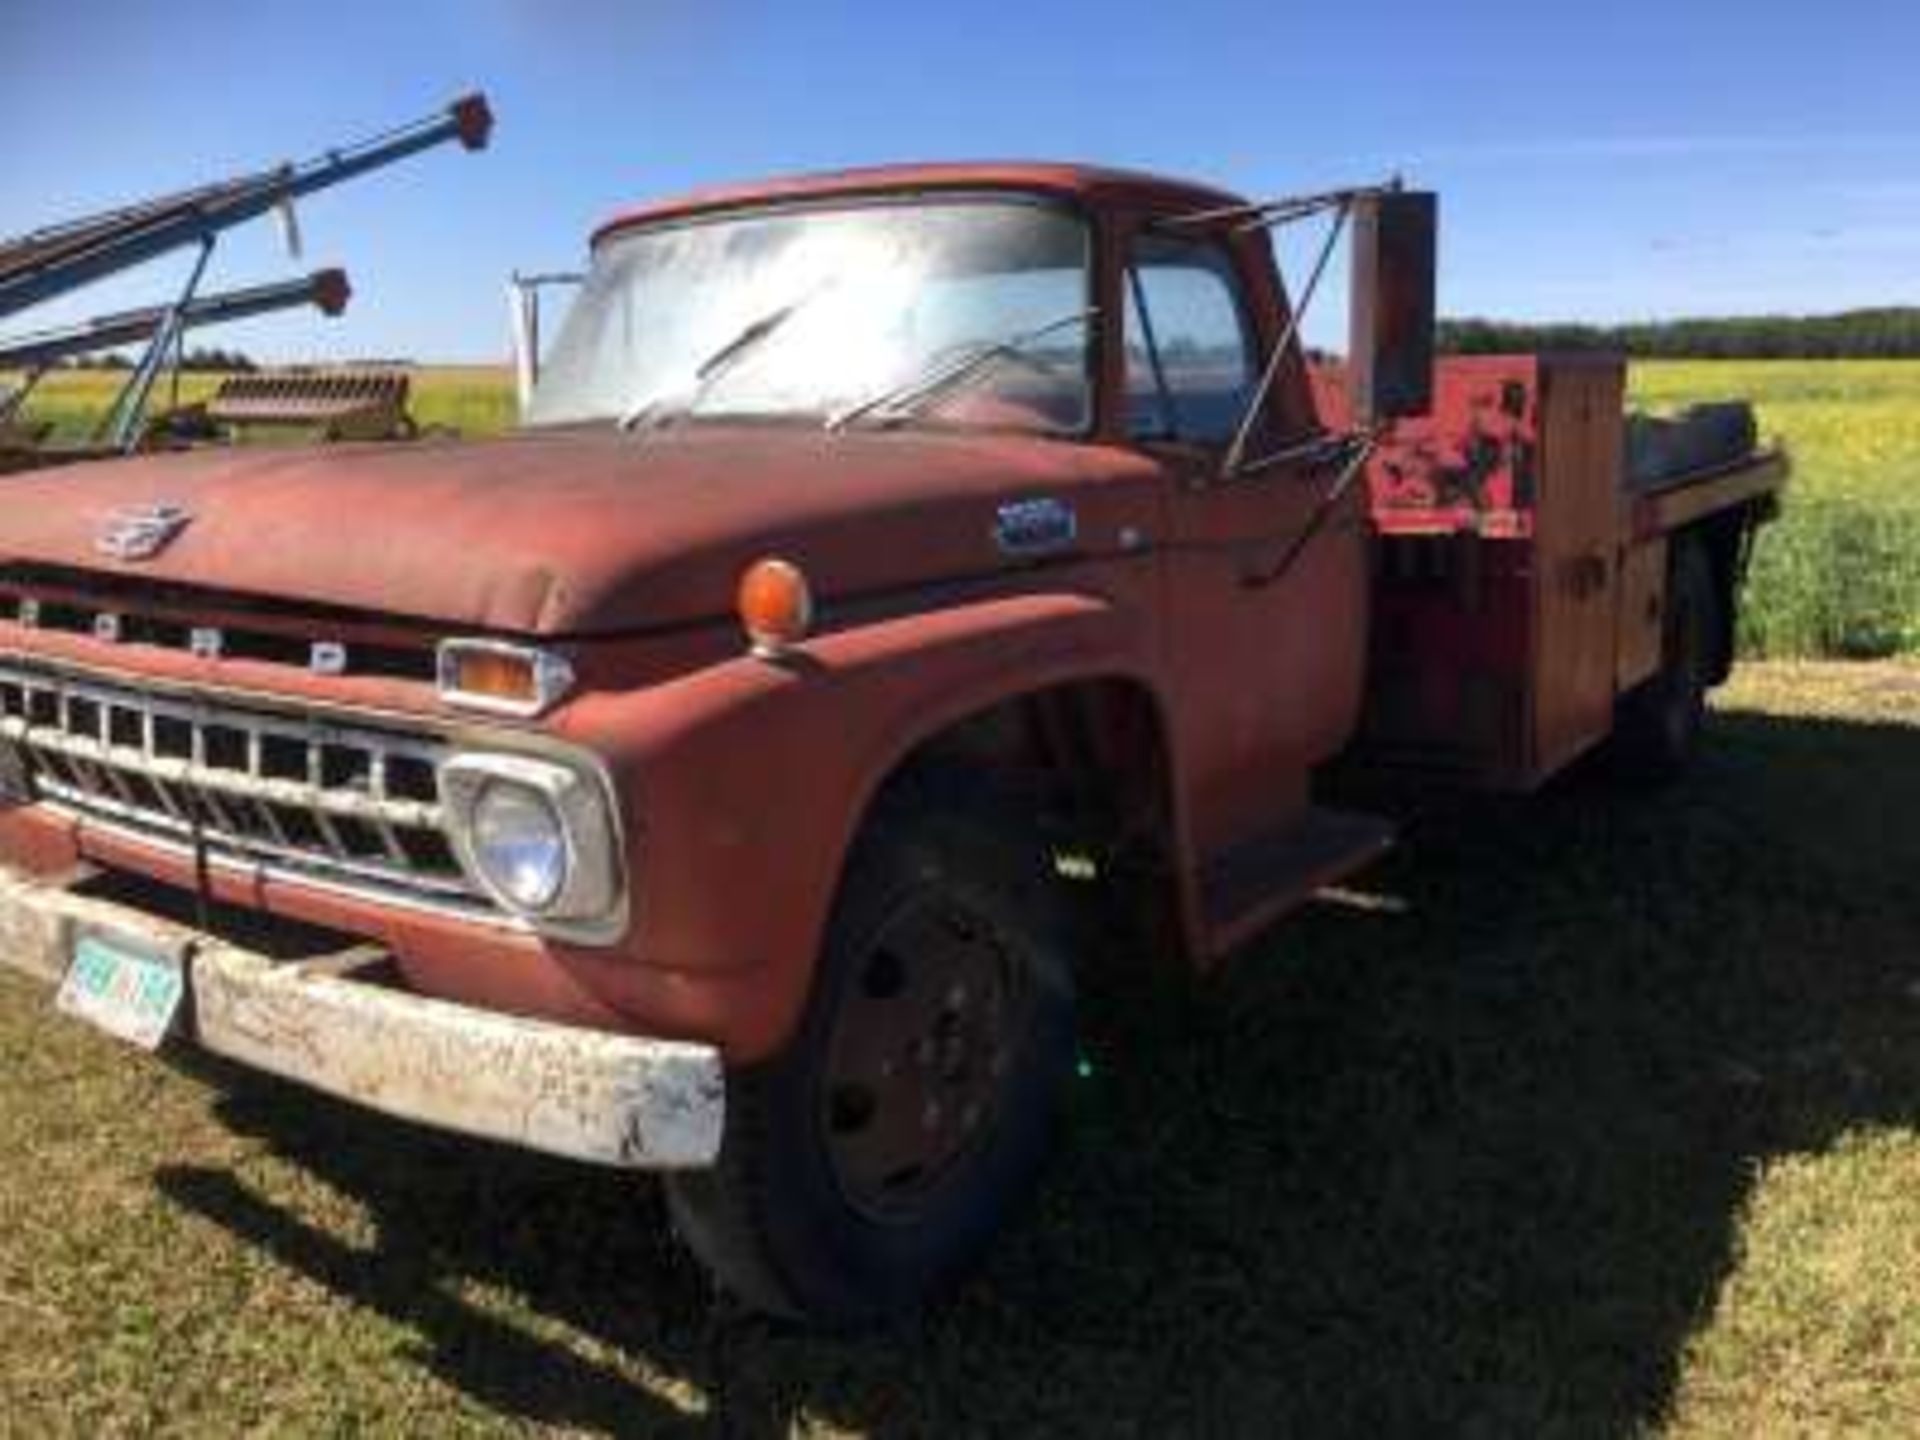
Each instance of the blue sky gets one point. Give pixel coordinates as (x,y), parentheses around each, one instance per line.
(1612,161)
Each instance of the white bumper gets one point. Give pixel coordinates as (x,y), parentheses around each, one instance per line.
(607,1099)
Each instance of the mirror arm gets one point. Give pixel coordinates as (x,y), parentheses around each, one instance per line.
(1236,452)
(1285,210)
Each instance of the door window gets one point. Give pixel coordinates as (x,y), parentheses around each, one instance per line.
(1190,358)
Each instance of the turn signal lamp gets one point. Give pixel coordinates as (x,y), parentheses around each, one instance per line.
(775,605)
(500,677)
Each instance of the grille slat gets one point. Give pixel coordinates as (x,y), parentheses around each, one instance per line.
(317,782)
(169,801)
(377,787)
(289,792)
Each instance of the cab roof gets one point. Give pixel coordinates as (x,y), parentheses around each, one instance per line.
(1089,184)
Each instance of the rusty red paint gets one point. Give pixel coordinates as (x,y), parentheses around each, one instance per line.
(586,532)
(743,783)
(1092,185)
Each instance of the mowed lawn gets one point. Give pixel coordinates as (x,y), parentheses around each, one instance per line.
(1587,1114)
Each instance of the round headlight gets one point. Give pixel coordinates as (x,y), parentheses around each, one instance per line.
(520,843)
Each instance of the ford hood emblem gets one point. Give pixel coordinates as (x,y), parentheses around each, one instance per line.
(140,532)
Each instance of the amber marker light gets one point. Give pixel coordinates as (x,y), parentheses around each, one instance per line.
(775,605)
(505,678)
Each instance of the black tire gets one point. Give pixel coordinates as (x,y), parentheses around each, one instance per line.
(1657,728)
(796,1218)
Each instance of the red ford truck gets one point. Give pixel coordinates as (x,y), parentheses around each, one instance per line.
(707,777)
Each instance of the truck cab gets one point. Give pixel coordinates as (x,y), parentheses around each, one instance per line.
(705,777)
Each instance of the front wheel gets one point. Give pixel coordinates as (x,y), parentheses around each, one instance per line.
(871,1162)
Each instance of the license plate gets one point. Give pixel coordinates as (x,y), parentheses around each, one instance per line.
(127,987)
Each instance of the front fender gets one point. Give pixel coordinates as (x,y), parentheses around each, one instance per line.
(745,782)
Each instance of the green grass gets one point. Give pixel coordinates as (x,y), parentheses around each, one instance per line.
(1838,575)
(471,399)
(1596,1117)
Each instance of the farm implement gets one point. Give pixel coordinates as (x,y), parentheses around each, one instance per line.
(45,265)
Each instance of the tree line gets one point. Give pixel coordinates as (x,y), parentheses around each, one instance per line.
(200,357)
(1892,333)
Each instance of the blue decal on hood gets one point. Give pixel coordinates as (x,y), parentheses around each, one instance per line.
(1034,527)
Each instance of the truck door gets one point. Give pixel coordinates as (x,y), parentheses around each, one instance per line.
(1267,667)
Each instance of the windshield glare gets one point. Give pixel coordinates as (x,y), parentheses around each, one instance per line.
(880,295)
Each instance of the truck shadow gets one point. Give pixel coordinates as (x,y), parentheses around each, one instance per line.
(1467,1152)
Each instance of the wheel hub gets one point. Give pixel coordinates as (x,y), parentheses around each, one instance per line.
(917,1057)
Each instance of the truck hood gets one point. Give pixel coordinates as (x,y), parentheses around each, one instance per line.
(575,532)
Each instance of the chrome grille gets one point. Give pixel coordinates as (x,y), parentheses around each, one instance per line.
(353,805)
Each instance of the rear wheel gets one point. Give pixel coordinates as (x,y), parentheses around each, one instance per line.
(868,1164)
(1657,730)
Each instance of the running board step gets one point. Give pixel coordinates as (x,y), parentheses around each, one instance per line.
(1253,884)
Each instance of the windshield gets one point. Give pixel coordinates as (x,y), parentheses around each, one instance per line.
(808,313)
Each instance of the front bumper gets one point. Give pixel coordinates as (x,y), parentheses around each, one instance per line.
(617,1100)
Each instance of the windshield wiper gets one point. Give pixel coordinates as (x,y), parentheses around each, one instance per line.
(656,410)
(900,400)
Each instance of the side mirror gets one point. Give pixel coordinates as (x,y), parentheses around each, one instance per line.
(1390,352)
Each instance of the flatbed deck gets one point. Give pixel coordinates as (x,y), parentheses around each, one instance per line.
(1685,499)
